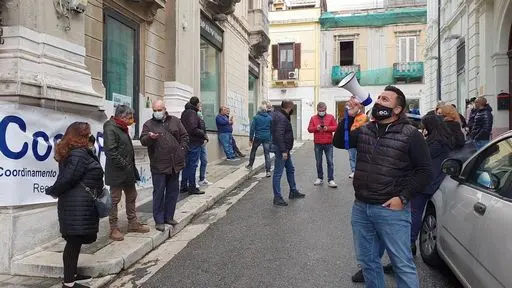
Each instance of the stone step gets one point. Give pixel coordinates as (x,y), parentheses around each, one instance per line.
(106,257)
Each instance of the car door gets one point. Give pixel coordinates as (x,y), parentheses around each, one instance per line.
(492,175)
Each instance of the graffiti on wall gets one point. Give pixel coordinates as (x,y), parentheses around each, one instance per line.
(238,106)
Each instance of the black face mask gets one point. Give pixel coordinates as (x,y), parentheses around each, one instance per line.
(381,112)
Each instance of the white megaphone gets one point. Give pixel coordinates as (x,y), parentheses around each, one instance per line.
(350,84)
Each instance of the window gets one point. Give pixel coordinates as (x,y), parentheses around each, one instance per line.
(121,61)
(346,53)
(406,49)
(493,169)
(286,58)
(461,77)
(210,83)
(253,95)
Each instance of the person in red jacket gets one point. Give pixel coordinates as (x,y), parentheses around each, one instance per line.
(323,125)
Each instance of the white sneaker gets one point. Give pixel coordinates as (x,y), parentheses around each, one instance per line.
(318,181)
(333,184)
(351,176)
(205,183)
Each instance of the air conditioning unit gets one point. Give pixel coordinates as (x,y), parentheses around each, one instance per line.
(292,75)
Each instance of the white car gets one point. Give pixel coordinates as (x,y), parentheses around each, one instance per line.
(468,221)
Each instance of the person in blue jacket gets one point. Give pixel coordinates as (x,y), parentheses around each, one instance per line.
(260,135)
(225,132)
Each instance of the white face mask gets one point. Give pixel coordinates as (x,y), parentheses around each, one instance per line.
(321,114)
(159,115)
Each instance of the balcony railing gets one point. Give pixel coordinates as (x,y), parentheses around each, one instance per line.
(339,72)
(408,72)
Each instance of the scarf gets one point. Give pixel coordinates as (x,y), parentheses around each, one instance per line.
(121,124)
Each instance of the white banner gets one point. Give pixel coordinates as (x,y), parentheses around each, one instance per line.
(27,140)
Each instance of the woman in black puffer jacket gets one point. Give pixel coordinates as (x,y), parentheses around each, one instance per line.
(79,169)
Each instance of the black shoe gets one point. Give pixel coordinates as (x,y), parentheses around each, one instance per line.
(268,175)
(171,222)
(195,191)
(388,269)
(77,285)
(249,167)
(79,277)
(296,194)
(240,154)
(358,277)
(413,249)
(279,201)
(184,190)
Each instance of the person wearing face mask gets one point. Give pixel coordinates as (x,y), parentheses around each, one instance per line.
(282,144)
(322,125)
(120,170)
(393,165)
(167,142)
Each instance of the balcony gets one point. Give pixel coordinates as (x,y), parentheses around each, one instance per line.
(408,72)
(285,77)
(339,72)
(259,32)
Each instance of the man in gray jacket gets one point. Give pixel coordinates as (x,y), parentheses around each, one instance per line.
(167,142)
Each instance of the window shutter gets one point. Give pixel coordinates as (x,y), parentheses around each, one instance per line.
(275,56)
(402,50)
(412,49)
(296,55)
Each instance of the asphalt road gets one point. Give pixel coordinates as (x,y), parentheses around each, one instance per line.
(307,244)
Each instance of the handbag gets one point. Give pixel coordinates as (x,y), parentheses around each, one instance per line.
(103,201)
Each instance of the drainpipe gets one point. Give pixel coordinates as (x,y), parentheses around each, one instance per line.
(439,50)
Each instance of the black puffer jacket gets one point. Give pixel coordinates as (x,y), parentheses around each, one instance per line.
(282,132)
(481,124)
(76,208)
(392,160)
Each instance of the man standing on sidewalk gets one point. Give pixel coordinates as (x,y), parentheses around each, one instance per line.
(225,132)
(197,137)
(480,123)
(260,135)
(120,171)
(282,141)
(167,142)
(393,165)
(323,125)
(203,157)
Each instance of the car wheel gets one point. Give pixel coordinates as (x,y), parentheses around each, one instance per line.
(428,238)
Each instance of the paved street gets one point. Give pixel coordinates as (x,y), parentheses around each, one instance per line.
(308,244)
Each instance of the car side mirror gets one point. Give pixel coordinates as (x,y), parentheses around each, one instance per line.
(452,167)
(488,180)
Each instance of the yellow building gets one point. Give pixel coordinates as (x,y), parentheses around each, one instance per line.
(384,45)
(295,60)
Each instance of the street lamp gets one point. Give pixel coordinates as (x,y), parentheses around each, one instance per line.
(439,50)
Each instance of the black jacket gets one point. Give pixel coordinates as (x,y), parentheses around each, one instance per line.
(192,123)
(392,160)
(76,208)
(120,169)
(282,132)
(167,152)
(481,121)
(438,153)
(456,132)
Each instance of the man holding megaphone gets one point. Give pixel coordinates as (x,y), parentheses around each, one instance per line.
(393,165)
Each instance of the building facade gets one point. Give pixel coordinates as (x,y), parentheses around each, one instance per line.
(294,72)
(382,43)
(61,63)
(476,52)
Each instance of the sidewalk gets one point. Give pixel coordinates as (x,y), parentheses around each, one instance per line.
(106,258)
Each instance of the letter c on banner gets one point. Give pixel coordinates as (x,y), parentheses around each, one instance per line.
(3,139)
(35,145)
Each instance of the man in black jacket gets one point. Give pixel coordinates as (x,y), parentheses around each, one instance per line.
(192,123)
(393,165)
(480,123)
(282,140)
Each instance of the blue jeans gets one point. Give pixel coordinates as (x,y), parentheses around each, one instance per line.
(320,149)
(188,179)
(227,146)
(479,144)
(166,189)
(352,157)
(266,151)
(203,157)
(418,204)
(279,165)
(374,226)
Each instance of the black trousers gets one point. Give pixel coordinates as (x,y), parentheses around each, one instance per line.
(72,252)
